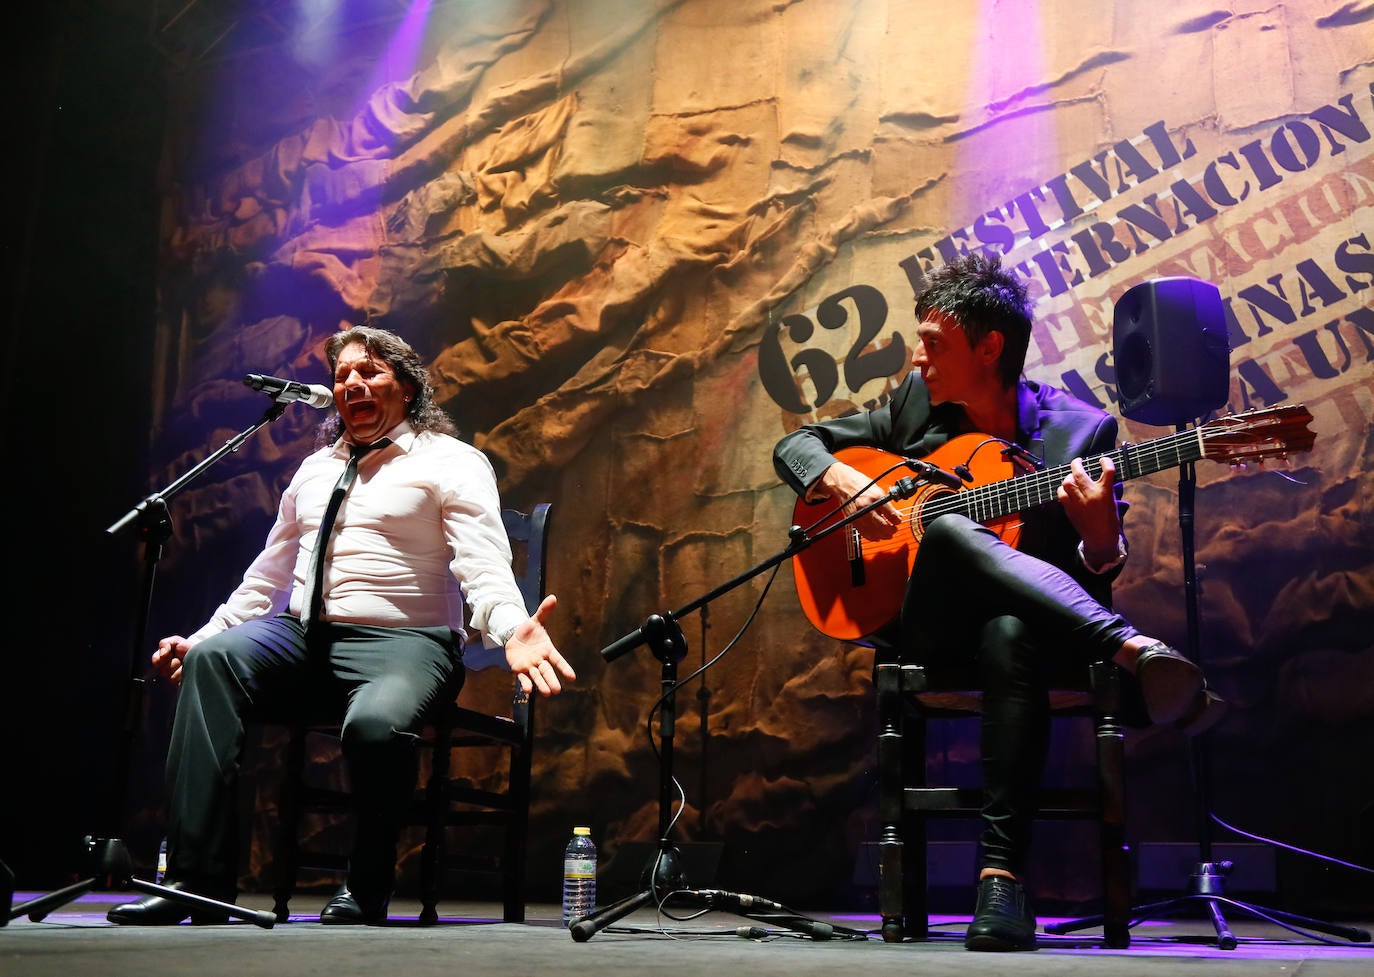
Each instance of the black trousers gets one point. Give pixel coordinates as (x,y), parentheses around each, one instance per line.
(383,681)
(978,606)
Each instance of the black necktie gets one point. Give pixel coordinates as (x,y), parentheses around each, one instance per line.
(314,579)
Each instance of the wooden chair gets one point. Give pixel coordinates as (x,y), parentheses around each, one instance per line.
(442,802)
(908,697)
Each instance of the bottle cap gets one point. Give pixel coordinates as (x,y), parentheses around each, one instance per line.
(582,831)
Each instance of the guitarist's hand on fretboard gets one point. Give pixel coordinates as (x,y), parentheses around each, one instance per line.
(840,482)
(1090,504)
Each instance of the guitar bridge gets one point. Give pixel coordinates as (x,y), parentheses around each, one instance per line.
(854,550)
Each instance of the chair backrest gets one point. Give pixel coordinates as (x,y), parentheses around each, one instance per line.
(527,532)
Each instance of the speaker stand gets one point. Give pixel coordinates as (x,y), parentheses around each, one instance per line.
(1208,878)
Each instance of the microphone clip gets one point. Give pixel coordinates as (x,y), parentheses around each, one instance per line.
(1010,450)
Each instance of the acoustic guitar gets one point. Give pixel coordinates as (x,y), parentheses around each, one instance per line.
(850,587)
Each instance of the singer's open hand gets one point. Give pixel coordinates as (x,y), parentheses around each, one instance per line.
(531,654)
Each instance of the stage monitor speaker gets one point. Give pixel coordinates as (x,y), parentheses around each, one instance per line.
(1172,354)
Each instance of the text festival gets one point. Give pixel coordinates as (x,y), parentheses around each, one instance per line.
(791,356)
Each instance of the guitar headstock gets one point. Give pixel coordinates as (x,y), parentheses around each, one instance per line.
(1258,434)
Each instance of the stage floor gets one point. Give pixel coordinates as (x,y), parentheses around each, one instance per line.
(469,939)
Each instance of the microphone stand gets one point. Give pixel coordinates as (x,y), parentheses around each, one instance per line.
(110,856)
(664,876)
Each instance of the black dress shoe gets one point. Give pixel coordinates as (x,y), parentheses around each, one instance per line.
(349,909)
(164,911)
(1002,919)
(1169,683)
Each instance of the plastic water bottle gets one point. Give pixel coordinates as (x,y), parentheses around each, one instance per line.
(161,874)
(579,876)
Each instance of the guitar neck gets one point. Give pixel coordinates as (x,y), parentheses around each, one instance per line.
(998,499)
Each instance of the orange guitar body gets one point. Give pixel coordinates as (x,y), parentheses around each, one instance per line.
(849,586)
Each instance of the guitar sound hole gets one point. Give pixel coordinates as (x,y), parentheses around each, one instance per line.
(923,514)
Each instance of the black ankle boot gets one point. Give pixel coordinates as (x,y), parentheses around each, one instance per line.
(1169,683)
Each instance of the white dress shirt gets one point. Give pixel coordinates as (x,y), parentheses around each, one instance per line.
(418,538)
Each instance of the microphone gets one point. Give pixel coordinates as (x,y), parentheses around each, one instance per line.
(813,928)
(625,643)
(720,899)
(285,391)
(935,474)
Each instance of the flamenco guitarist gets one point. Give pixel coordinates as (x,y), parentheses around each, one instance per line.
(970,593)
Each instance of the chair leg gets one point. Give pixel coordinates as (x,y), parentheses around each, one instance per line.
(888,692)
(915,837)
(288,824)
(436,810)
(1111,765)
(516,838)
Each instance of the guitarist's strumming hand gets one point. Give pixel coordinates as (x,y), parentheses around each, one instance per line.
(841,481)
(1090,504)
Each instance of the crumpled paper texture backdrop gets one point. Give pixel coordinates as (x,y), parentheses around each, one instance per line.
(591,216)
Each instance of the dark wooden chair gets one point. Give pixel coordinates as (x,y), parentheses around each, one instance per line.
(910,696)
(442,801)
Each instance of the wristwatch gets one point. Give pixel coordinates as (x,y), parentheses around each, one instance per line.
(503,637)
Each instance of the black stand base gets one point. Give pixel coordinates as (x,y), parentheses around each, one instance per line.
(112,865)
(665,884)
(662,878)
(1207,892)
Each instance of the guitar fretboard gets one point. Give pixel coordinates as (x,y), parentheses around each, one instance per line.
(996,499)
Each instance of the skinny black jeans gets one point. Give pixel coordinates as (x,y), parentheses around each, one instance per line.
(972,598)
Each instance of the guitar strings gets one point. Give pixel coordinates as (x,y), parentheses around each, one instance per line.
(985,502)
(990,501)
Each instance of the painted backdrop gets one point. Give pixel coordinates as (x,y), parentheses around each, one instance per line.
(638,242)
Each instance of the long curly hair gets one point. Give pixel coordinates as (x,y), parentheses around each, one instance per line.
(422,412)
